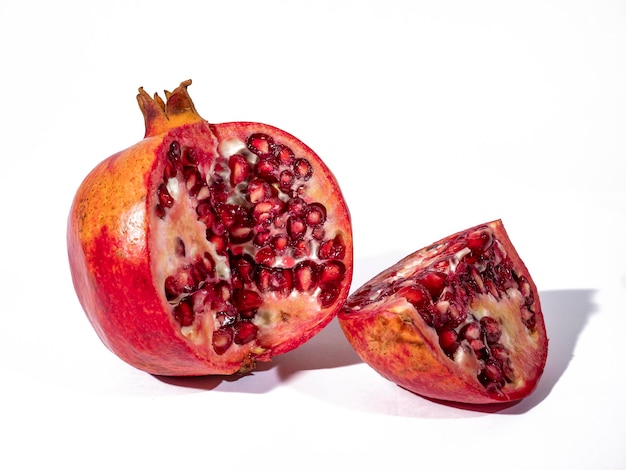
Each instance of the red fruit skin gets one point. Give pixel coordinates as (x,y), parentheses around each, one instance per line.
(398,343)
(110,253)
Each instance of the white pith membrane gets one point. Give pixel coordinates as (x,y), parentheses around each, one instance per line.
(179,231)
(471,290)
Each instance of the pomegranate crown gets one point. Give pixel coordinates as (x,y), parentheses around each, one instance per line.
(175,111)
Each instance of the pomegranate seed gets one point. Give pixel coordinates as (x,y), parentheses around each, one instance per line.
(205,213)
(471,331)
(170,170)
(479,241)
(280,242)
(284,154)
(267,169)
(302,169)
(260,144)
(262,238)
(296,228)
(297,206)
(286,180)
(259,190)
(245,300)
(316,214)
(266,256)
(281,280)
(305,276)
(243,267)
(528,317)
(493,371)
(239,169)
(332,273)
(491,328)
(435,282)
(222,339)
(416,295)
(327,297)
(164,196)
(245,332)
(189,158)
(174,151)
(183,312)
(332,249)
(449,341)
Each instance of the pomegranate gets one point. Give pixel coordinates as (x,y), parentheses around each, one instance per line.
(205,248)
(459,320)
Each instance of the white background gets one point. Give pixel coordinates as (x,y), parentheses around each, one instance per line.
(434,116)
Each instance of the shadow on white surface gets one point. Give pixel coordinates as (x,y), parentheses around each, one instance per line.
(566,313)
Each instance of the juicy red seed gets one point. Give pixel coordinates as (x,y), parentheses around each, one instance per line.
(219,192)
(499,352)
(332,249)
(434,282)
(165,199)
(220,242)
(297,206)
(449,341)
(259,190)
(189,158)
(170,170)
(194,183)
(243,267)
(286,180)
(284,154)
(302,248)
(260,144)
(479,241)
(183,312)
(281,280)
(316,214)
(265,211)
(416,295)
(327,297)
(222,339)
(493,371)
(262,238)
(245,300)
(302,169)
(174,151)
(184,281)
(456,315)
(263,279)
(528,317)
(318,232)
(491,328)
(280,242)
(332,273)
(296,228)
(267,169)
(245,332)
(305,276)
(471,331)
(239,169)
(274,280)
(266,256)
(205,213)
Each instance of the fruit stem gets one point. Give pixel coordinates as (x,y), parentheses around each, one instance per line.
(160,116)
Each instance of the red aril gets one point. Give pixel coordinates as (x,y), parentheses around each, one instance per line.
(459,320)
(206,247)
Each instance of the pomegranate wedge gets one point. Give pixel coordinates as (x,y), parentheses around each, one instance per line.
(459,320)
